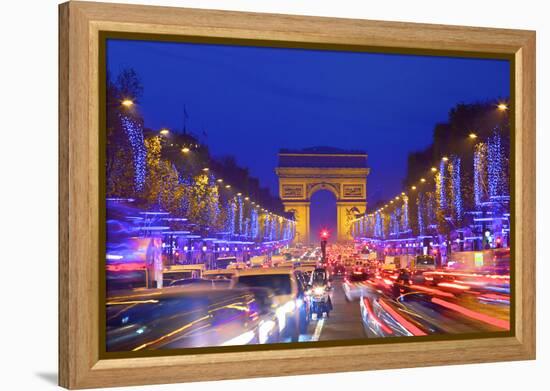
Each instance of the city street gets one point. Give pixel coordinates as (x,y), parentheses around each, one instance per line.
(261,304)
(470,316)
(344,321)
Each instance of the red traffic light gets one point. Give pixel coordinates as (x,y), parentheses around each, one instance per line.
(324,234)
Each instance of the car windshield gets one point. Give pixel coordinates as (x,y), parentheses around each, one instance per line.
(279,283)
(425,261)
(319,277)
(218,276)
(355,277)
(191,281)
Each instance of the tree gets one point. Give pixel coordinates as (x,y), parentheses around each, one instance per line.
(163,188)
(119,167)
(128,85)
(204,205)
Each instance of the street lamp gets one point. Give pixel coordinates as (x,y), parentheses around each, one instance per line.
(164,132)
(219,180)
(422,180)
(206,169)
(185,150)
(445,158)
(434,169)
(502,106)
(228,186)
(127,103)
(472,136)
(413,187)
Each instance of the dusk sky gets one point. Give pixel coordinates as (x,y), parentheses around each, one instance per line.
(253,101)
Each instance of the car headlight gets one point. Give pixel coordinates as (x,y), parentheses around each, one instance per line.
(319,290)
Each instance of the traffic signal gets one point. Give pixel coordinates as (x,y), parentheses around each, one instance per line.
(324,237)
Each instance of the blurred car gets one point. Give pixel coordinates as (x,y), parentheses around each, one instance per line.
(288,296)
(354,285)
(173,318)
(424,262)
(319,289)
(383,317)
(218,274)
(338,270)
(306,271)
(201,282)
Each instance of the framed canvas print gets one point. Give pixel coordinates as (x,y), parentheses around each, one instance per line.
(247,195)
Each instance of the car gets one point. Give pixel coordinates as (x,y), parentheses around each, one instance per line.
(354,285)
(306,271)
(288,296)
(178,317)
(338,270)
(200,282)
(218,274)
(319,292)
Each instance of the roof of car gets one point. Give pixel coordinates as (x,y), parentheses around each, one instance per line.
(218,271)
(264,271)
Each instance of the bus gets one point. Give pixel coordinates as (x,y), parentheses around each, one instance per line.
(424,263)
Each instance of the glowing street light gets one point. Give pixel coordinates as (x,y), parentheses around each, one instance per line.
(239,194)
(228,186)
(164,132)
(206,169)
(502,106)
(185,150)
(434,169)
(219,180)
(445,158)
(403,193)
(127,103)
(422,180)
(413,187)
(246,198)
(472,136)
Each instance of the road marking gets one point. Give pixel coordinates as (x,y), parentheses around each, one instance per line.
(317,333)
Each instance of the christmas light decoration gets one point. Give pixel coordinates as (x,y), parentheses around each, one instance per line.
(419,207)
(239,202)
(442,185)
(254,223)
(405,214)
(480,172)
(134,132)
(495,167)
(454,168)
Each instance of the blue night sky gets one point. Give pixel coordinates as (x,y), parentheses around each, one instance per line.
(253,101)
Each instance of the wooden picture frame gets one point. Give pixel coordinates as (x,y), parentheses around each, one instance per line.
(80,365)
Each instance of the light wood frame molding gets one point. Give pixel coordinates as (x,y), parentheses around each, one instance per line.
(80,365)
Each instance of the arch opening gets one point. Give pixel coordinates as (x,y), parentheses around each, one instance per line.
(323,215)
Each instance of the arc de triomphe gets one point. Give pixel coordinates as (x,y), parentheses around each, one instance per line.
(303,172)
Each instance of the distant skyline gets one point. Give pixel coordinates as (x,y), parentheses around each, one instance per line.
(252,101)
